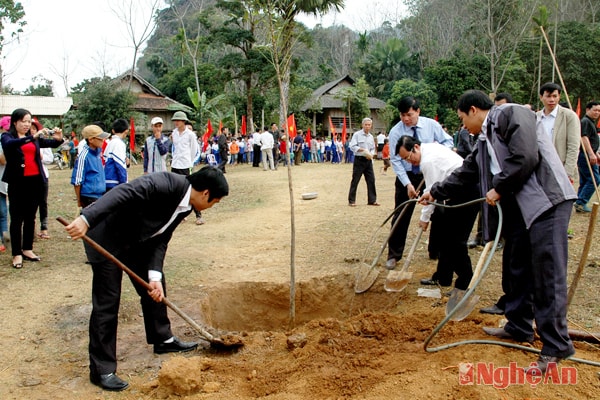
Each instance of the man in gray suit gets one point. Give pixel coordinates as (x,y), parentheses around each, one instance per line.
(135,222)
(562,125)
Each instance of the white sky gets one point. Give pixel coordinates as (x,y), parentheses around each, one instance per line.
(84,38)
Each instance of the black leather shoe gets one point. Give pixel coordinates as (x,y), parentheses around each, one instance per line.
(492,310)
(175,346)
(543,363)
(502,334)
(390,264)
(430,282)
(109,382)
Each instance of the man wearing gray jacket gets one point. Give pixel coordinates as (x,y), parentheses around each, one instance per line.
(562,126)
(515,163)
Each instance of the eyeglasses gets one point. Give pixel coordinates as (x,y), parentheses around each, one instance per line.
(407,158)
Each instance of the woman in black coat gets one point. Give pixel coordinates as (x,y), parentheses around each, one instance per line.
(25,178)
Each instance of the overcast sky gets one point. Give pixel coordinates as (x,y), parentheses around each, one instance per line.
(84,38)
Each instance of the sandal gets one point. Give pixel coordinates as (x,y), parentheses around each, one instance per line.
(42,235)
(18,265)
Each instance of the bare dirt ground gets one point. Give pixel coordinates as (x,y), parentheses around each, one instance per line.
(234,274)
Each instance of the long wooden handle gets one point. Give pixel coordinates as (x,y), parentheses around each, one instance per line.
(480,263)
(393,228)
(142,282)
(412,251)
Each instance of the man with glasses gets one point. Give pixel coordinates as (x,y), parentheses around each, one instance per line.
(516,163)
(437,162)
(408,176)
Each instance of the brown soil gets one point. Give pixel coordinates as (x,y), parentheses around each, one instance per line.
(233,274)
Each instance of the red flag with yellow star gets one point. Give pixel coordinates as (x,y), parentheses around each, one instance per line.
(291,125)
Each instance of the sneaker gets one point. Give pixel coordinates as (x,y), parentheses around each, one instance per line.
(582,208)
(2,248)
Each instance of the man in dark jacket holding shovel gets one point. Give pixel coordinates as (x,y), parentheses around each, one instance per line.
(135,222)
(515,163)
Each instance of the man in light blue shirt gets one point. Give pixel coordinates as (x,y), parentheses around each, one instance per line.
(408,176)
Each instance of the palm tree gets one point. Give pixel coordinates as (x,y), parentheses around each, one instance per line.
(282,24)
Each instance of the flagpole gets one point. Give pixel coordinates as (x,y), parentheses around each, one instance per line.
(235,119)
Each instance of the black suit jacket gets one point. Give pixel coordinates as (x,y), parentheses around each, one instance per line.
(124,220)
(15,160)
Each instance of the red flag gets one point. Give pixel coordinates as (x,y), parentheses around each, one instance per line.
(578,109)
(131,135)
(243,124)
(308,138)
(344,131)
(207,133)
(331,127)
(291,125)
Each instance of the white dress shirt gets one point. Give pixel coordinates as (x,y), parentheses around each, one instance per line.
(437,163)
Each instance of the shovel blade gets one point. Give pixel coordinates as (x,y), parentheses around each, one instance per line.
(465,309)
(397,281)
(365,277)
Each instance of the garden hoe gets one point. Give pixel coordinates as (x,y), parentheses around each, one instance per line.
(227,341)
(397,281)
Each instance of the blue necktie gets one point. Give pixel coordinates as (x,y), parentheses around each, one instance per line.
(415,168)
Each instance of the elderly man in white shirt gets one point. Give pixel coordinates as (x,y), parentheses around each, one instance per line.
(362,145)
(437,162)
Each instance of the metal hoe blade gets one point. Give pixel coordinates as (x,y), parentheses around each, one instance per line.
(365,277)
(458,314)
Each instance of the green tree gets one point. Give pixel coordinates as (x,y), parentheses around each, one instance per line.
(577,57)
(101,100)
(244,63)
(10,13)
(204,108)
(419,90)
(386,63)
(283,33)
(42,87)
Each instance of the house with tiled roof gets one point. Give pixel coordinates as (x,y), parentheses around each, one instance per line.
(323,104)
(150,103)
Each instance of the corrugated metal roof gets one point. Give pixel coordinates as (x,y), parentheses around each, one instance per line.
(38,105)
